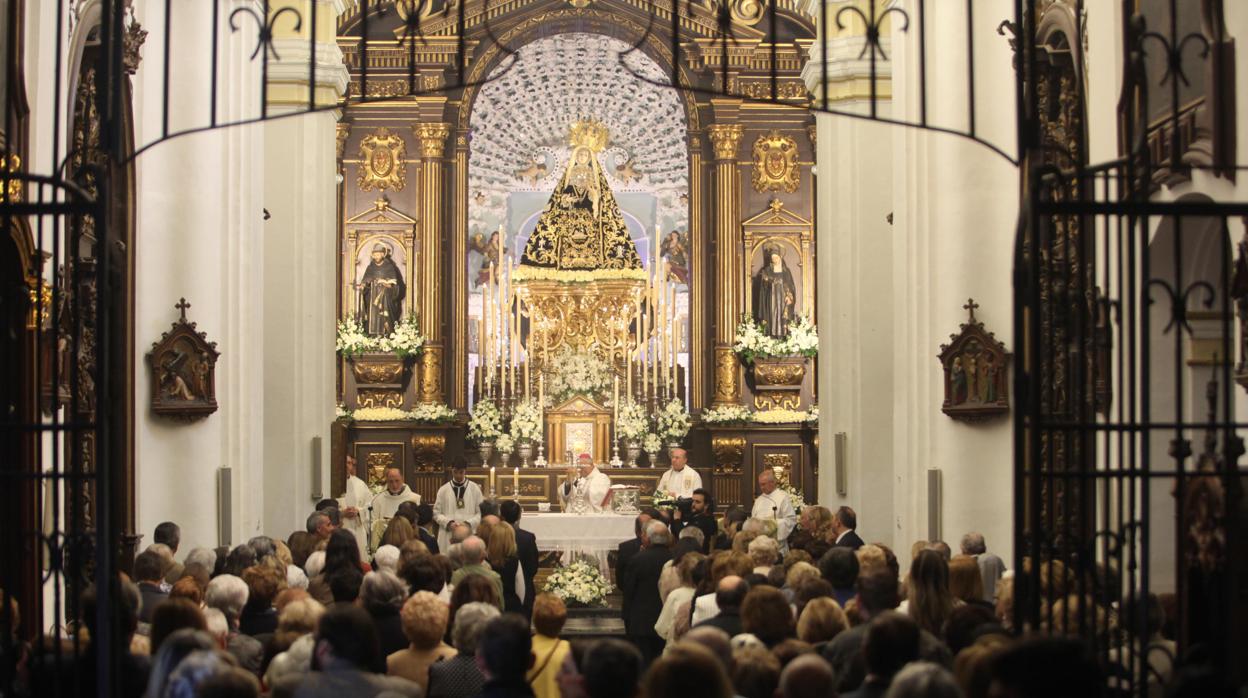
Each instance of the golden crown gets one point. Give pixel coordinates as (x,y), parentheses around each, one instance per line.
(588,133)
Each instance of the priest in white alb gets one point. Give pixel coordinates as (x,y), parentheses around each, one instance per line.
(774,503)
(459,500)
(354,504)
(586,489)
(680,480)
(387,501)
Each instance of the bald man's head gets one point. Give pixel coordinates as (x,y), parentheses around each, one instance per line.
(730,593)
(491,519)
(473,550)
(715,640)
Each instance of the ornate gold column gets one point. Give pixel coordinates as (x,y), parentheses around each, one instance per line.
(458,275)
(432,147)
(698,275)
(726,138)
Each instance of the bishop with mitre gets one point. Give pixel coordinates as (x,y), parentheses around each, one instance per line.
(587,489)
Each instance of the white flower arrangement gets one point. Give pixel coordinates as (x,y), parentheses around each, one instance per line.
(379,414)
(781,417)
(504,443)
(726,414)
(803,338)
(753,343)
(526,422)
(406,339)
(579,583)
(795,496)
(813,414)
(579,373)
(341,412)
(652,443)
(632,422)
(432,413)
(486,424)
(673,421)
(524,272)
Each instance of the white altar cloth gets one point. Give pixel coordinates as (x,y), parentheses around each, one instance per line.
(593,535)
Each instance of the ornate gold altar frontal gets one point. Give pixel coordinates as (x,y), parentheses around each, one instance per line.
(581,315)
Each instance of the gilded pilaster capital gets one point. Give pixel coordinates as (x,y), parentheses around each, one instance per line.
(725,138)
(812,130)
(432,138)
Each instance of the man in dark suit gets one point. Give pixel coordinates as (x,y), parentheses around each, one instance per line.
(729,596)
(892,641)
(844,521)
(526,548)
(701,515)
(641,589)
(626,551)
(147,574)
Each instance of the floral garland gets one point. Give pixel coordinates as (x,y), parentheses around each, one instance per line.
(753,343)
(432,413)
(526,421)
(404,341)
(579,583)
(422,413)
(579,373)
(525,272)
(673,421)
(486,423)
(781,417)
(726,414)
(631,421)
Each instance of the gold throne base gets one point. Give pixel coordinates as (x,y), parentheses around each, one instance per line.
(581,315)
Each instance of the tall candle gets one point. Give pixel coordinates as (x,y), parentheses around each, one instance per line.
(493,480)
(528,360)
(615,397)
(541,392)
(515,481)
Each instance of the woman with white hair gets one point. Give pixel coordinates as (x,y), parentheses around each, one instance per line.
(459,676)
(764,552)
(923,680)
(382,594)
(387,558)
(228,594)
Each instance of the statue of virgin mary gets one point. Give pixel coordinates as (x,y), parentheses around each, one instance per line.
(581,228)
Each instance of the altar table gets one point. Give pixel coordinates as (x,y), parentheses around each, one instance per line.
(593,535)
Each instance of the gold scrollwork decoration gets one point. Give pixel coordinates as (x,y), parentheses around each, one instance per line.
(377,371)
(725,139)
(13,165)
(427,449)
(729,451)
(747,12)
(431,375)
(366,397)
(385,161)
(775,163)
(727,386)
(377,464)
(778,400)
(432,139)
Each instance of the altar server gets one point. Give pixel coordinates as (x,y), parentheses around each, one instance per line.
(354,504)
(585,484)
(457,501)
(680,480)
(387,501)
(773,503)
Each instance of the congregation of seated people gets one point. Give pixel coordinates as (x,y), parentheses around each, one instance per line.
(720,609)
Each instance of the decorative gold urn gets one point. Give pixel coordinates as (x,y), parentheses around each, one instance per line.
(380,379)
(778,382)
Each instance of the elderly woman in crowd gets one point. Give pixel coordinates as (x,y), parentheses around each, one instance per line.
(258,615)
(549,615)
(297,618)
(814,534)
(228,594)
(382,594)
(424,622)
(459,676)
(387,558)
(764,553)
(171,615)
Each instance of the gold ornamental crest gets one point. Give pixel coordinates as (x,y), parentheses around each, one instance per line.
(775,163)
(384,155)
